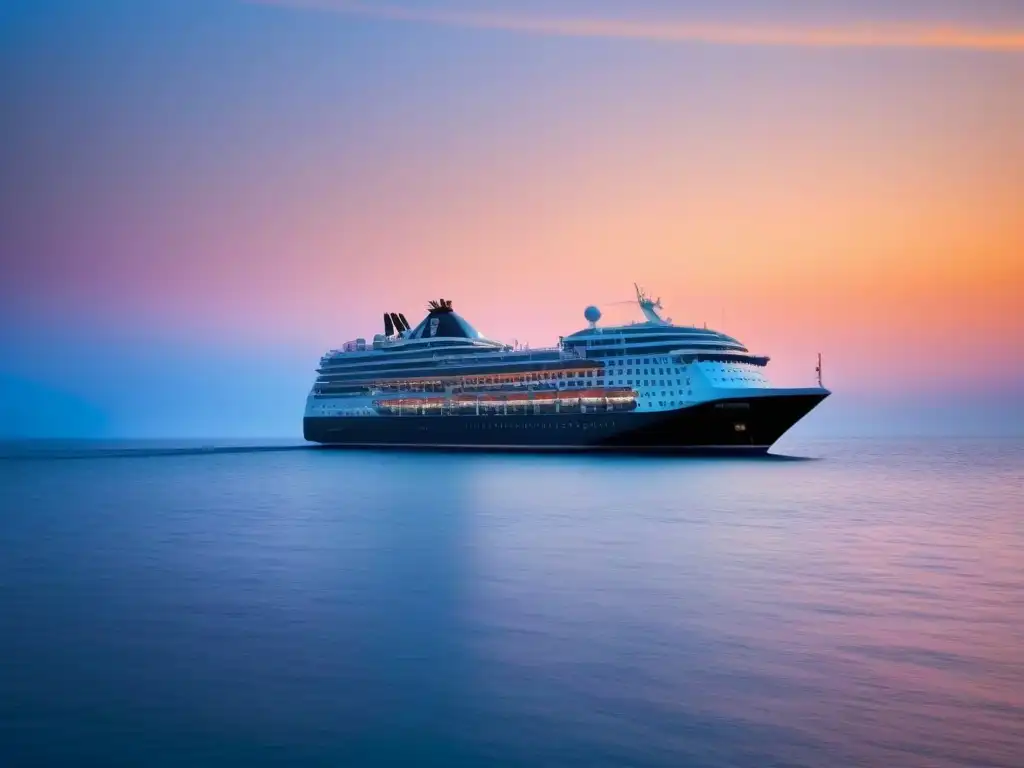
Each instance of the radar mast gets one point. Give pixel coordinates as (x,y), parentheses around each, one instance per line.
(648,307)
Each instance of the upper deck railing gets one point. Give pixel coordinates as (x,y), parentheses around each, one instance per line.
(565,352)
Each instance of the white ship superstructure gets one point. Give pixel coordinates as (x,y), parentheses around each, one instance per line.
(669,366)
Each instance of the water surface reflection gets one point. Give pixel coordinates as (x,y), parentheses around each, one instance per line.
(366,608)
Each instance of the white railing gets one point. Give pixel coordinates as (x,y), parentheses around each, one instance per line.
(508,355)
(461,358)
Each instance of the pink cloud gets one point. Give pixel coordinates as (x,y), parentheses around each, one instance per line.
(915,35)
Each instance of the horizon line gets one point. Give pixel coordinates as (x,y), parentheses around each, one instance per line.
(869,35)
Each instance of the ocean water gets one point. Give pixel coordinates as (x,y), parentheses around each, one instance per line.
(857,603)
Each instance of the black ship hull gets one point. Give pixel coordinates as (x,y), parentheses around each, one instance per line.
(739,425)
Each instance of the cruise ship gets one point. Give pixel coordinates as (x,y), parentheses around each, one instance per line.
(649,385)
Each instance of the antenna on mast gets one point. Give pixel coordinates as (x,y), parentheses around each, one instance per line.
(818,371)
(648,307)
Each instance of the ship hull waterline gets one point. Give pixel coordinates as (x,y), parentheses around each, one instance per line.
(737,425)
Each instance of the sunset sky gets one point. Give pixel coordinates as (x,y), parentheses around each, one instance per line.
(199,197)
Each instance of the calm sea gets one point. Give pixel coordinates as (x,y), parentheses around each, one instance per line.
(861,604)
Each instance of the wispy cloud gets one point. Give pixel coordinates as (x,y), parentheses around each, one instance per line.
(922,35)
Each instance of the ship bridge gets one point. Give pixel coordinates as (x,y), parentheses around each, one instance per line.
(656,335)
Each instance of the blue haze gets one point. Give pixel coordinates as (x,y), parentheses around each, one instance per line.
(115,386)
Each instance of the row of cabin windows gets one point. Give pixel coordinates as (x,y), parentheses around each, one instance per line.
(668,340)
(637,361)
(719,347)
(649,382)
(738,372)
(575,379)
(559,424)
(490,379)
(625,366)
(670,393)
(617,366)
(394,372)
(600,381)
(654,382)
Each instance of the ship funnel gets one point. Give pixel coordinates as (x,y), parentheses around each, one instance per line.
(397,323)
(404,321)
(389,326)
(439,305)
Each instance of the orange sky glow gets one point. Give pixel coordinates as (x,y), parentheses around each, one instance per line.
(861,198)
